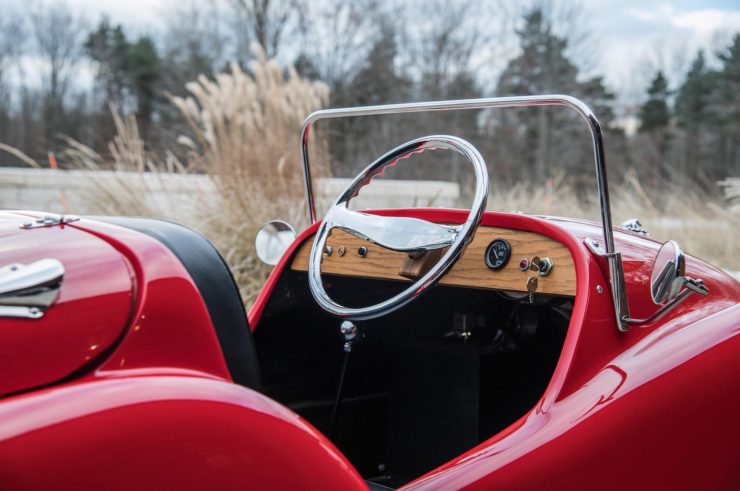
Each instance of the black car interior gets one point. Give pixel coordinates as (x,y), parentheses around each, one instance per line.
(424,384)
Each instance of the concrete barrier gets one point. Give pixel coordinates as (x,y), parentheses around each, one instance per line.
(75,191)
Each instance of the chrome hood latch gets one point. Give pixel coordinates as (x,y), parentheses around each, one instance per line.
(27,290)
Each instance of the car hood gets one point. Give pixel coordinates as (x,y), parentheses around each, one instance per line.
(88,316)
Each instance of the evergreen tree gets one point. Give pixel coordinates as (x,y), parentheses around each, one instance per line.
(727,108)
(143,70)
(108,48)
(692,100)
(693,112)
(378,81)
(654,113)
(542,66)
(539,143)
(655,119)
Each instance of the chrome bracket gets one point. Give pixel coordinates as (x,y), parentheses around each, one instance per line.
(594,247)
(50,221)
(619,290)
(692,286)
(618,284)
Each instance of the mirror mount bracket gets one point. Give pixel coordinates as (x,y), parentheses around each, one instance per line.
(692,285)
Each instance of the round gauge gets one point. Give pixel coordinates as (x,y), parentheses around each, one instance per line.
(498,254)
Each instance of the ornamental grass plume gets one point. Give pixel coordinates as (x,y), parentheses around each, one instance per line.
(246,129)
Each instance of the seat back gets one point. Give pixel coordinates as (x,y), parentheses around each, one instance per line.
(216,284)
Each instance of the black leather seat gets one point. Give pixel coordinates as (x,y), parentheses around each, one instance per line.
(217,287)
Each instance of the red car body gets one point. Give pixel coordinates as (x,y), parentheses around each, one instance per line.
(123,384)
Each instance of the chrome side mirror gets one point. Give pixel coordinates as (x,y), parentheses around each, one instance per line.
(668,273)
(669,285)
(272,240)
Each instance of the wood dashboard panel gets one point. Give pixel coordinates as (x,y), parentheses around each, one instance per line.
(469,271)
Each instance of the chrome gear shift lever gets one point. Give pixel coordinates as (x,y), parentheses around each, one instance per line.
(351,335)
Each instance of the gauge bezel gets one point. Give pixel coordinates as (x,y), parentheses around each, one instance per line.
(506,259)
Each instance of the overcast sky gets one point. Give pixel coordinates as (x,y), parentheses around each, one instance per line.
(629,34)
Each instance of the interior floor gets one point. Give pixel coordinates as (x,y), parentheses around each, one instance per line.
(425,384)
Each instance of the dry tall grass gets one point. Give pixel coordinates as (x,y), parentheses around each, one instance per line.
(703,224)
(136,173)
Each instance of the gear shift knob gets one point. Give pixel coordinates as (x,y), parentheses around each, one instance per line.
(349,332)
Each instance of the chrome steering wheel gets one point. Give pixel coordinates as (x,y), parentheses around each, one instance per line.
(399,233)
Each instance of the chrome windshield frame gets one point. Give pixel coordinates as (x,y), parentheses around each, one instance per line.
(614,259)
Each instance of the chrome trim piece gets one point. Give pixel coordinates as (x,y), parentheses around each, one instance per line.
(27,290)
(634,225)
(399,233)
(50,221)
(20,312)
(616,274)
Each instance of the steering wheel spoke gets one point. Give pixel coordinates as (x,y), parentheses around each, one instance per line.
(400,234)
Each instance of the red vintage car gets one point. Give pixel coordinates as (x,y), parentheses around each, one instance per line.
(406,348)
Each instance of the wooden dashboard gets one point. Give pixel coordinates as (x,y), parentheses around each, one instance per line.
(469,271)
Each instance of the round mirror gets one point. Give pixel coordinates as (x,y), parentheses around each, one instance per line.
(668,271)
(272,240)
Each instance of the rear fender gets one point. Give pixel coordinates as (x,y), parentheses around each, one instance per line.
(170,432)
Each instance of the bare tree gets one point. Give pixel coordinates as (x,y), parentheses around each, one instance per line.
(569,20)
(193,43)
(56,41)
(266,22)
(10,47)
(11,43)
(439,49)
(336,37)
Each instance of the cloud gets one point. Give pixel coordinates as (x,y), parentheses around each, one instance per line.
(700,21)
(661,13)
(707,20)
